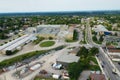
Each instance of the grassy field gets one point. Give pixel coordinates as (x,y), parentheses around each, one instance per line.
(47,44)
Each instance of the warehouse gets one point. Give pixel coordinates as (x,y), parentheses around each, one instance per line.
(48,30)
(67,58)
(15,44)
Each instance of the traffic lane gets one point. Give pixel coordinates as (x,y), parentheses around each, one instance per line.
(117,64)
(107,67)
(113,77)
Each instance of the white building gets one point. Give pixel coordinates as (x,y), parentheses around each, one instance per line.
(99,28)
(15,44)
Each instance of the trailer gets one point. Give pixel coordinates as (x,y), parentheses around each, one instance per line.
(35,67)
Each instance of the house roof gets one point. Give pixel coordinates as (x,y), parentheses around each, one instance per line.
(114,50)
(95,76)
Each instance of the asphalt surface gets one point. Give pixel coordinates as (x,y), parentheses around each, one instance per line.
(107,67)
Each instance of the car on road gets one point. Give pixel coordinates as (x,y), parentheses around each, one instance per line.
(114,71)
(102,66)
(103,62)
(119,63)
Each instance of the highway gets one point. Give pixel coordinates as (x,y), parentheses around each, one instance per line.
(102,56)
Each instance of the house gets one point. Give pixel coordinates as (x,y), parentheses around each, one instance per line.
(95,76)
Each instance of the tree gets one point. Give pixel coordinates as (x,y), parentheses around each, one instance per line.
(101,38)
(83,52)
(93,51)
(8,52)
(75,35)
(94,38)
(50,38)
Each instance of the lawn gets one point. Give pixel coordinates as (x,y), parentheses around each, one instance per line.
(38,78)
(47,44)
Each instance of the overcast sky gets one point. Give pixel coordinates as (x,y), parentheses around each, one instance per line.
(57,5)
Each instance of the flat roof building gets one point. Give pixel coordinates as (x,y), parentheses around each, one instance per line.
(13,45)
(67,58)
(100,28)
(48,30)
(112,39)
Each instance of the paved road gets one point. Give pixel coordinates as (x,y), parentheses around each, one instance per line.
(102,57)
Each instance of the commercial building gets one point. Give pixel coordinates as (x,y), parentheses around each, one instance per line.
(115,57)
(68,57)
(48,30)
(114,53)
(70,33)
(54,31)
(16,44)
(100,29)
(112,39)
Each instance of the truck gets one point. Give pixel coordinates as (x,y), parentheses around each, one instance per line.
(114,71)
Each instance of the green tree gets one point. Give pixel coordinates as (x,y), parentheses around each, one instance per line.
(93,51)
(101,38)
(75,35)
(94,38)
(83,52)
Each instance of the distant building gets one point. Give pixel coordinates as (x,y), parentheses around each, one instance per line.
(70,33)
(54,31)
(48,30)
(31,30)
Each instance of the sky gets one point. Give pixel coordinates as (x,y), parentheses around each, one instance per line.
(7,6)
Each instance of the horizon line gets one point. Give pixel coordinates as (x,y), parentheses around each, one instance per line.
(57,11)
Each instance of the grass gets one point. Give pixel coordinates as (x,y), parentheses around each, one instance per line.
(20,58)
(92,58)
(68,40)
(38,40)
(94,67)
(47,43)
(82,42)
(42,78)
(11,61)
(98,42)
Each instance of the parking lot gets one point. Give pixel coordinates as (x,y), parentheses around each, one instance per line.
(48,59)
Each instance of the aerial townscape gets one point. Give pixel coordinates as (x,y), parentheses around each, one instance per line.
(60,45)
